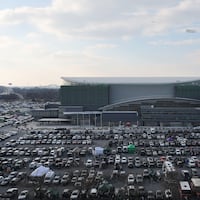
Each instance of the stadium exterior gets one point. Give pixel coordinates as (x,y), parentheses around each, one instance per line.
(157,101)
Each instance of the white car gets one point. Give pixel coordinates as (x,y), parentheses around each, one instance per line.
(89,141)
(117,159)
(56,180)
(23,195)
(124,160)
(93,193)
(33,165)
(89,163)
(178,152)
(191,163)
(137,163)
(194,158)
(131,179)
(168,194)
(74,194)
(1,179)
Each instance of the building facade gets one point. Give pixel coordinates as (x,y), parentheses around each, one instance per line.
(157,101)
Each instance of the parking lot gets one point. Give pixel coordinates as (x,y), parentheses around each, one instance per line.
(131,164)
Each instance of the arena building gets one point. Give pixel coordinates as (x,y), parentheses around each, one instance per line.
(156,101)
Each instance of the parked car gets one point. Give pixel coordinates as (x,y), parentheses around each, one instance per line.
(11,193)
(130,164)
(65,179)
(150,195)
(124,160)
(89,163)
(49,177)
(66,193)
(146,173)
(93,193)
(191,163)
(131,191)
(139,178)
(131,179)
(168,194)
(56,180)
(117,159)
(23,195)
(74,195)
(159,195)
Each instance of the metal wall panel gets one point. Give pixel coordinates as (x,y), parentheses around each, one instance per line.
(91,97)
(126,92)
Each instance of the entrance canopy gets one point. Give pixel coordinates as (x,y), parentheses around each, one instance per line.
(40,171)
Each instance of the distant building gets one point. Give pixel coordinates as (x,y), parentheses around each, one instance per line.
(157,101)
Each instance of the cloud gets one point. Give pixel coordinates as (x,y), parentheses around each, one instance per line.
(69,6)
(19,54)
(185,42)
(106,18)
(33,35)
(103,46)
(193,57)
(81,37)
(174,18)
(6,41)
(84,57)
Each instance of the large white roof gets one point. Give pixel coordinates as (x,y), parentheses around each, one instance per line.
(127,80)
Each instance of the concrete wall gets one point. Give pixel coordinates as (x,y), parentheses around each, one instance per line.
(44,113)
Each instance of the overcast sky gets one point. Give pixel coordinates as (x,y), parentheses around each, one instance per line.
(42,40)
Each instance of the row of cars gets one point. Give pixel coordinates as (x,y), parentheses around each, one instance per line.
(178,154)
(130,192)
(138,139)
(65,159)
(13,193)
(7,135)
(120,193)
(16,113)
